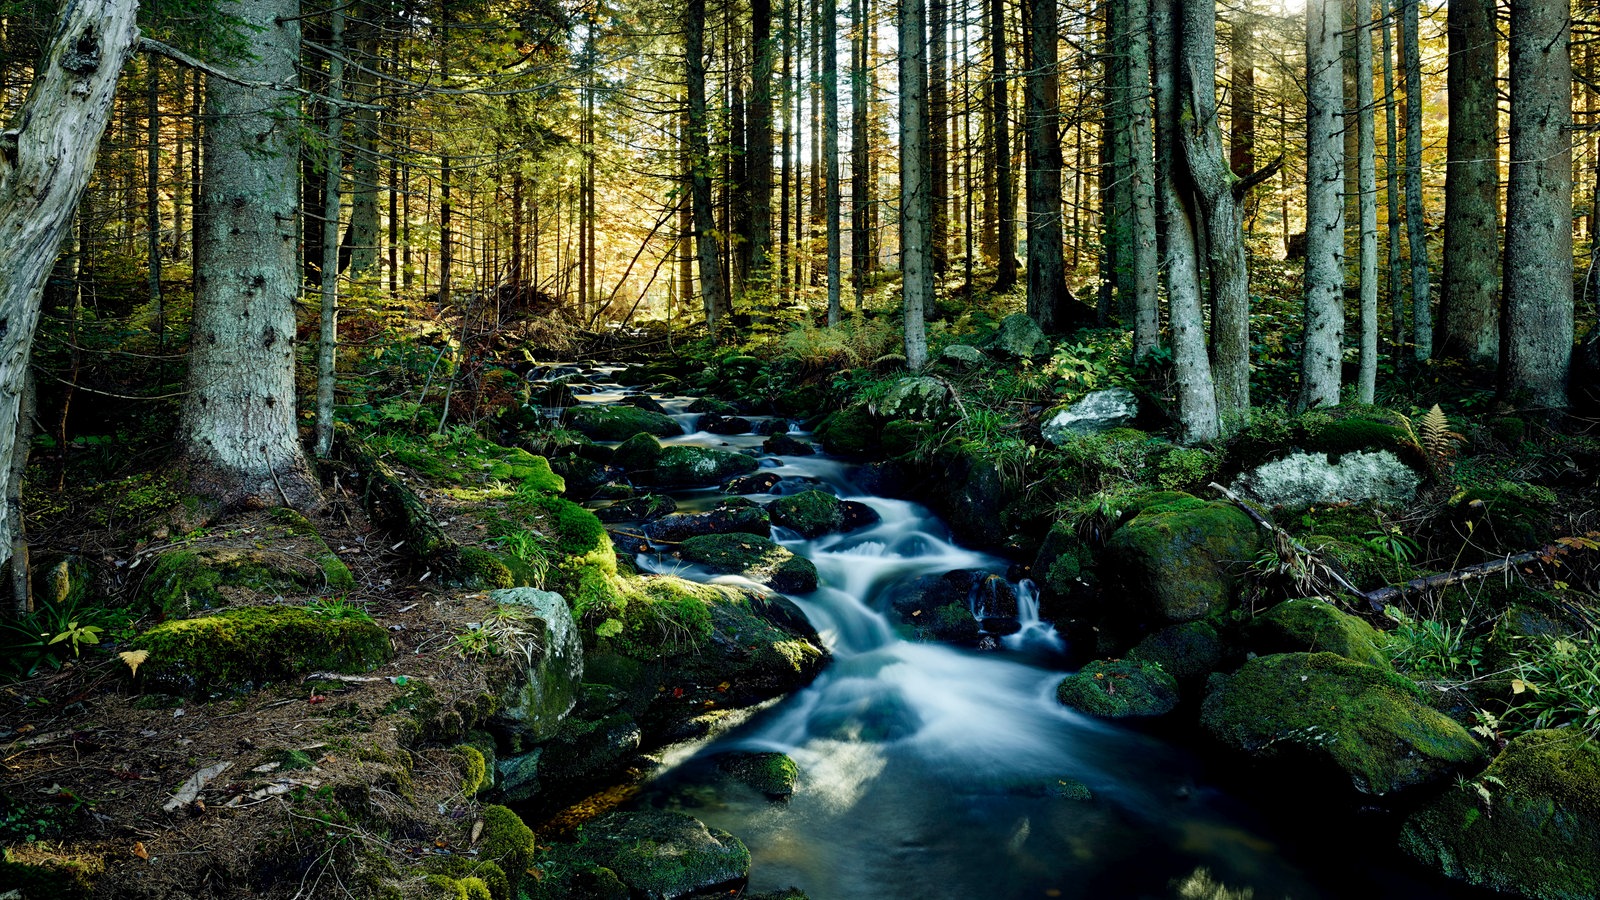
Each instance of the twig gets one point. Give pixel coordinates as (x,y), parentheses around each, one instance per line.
(1300,548)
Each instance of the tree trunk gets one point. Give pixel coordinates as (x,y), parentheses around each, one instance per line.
(1000,125)
(1367,188)
(1469,327)
(1242,114)
(361,237)
(759,165)
(152,197)
(1197,403)
(1536,324)
(860,167)
(1398,309)
(21,580)
(1220,195)
(1416,233)
(916,200)
(1143,262)
(1324,280)
(333,166)
(1047,278)
(938,122)
(700,161)
(830,151)
(238,430)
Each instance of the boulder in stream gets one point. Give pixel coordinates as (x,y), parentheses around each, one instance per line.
(756,558)
(725,520)
(1182,560)
(645,401)
(1529,825)
(665,855)
(643,508)
(772,774)
(1315,625)
(620,422)
(1119,689)
(688,465)
(816,513)
(782,444)
(759,483)
(1321,715)
(725,425)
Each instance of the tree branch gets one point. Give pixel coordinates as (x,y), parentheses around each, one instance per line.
(1246,184)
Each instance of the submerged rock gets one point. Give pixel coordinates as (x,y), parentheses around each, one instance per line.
(773,774)
(754,557)
(1342,720)
(1313,625)
(1097,412)
(620,422)
(727,520)
(752,484)
(1529,825)
(664,855)
(1182,560)
(1301,479)
(1119,689)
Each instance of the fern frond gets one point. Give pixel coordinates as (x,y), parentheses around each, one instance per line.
(1437,438)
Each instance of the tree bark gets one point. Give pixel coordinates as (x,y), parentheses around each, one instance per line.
(1047,279)
(238,430)
(1469,327)
(830,152)
(860,167)
(700,161)
(1324,280)
(1367,204)
(1220,196)
(1416,233)
(938,141)
(1242,114)
(1143,264)
(1197,403)
(759,166)
(333,168)
(916,200)
(1536,323)
(1000,126)
(1399,311)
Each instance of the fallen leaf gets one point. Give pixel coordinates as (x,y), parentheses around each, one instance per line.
(134,659)
(140,851)
(477,831)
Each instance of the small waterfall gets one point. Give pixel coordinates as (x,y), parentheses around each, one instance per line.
(1034,632)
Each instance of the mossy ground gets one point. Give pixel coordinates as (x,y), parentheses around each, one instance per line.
(246,647)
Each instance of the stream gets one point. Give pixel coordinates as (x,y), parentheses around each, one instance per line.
(930,771)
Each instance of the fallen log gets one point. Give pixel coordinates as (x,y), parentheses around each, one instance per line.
(1382,596)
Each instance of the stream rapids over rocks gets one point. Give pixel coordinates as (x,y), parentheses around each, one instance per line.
(941,772)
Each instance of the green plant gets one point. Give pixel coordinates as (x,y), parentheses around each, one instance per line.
(1555,683)
(1434,649)
(338,609)
(39,640)
(1398,547)
(474,643)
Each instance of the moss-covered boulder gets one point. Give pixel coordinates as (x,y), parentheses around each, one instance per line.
(1188,651)
(1098,411)
(714,406)
(665,855)
(851,432)
(685,465)
(1313,625)
(754,557)
(816,513)
(935,607)
(1326,716)
(184,581)
(963,358)
(1063,565)
(620,422)
(244,647)
(679,527)
(544,655)
(1019,337)
(638,453)
(508,843)
(783,444)
(915,397)
(643,508)
(772,774)
(1529,825)
(1179,562)
(1119,689)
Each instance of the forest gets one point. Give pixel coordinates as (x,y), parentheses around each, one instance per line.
(523,449)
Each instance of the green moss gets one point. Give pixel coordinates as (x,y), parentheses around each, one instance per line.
(470,874)
(1313,625)
(620,422)
(1529,825)
(812,513)
(850,432)
(1186,651)
(1182,468)
(1182,562)
(772,774)
(246,646)
(474,769)
(1358,723)
(508,843)
(688,465)
(476,569)
(1508,516)
(638,453)
(665,854)
(754,557)
(183,581)
(1119,689)
(663,615)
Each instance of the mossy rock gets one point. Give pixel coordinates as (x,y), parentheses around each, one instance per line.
(184,581)
(1180,562)
(772,774)
(643,508)
(508,843)
(1315,626)
(1533,831)
(1345,721)
(784,444)
(462,876)
(638,453)
(754,557)
(665,855)
(713,406)
(28,882)
(620,422)
(244,647)
(476,569)
(1064,561)
(916,398)
(1187,651)
(685,465)
(725,520)
(1119,689)
(816,513)
(850,432)
(1364,565)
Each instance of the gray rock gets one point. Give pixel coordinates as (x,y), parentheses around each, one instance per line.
(918,398)
(1097,412)
(963,356)
(1020,337)
(544,686)
(663,855)
(1301,479)
(518,776)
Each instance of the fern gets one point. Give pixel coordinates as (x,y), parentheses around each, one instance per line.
(1432,435)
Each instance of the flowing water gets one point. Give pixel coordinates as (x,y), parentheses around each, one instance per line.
(934,772)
